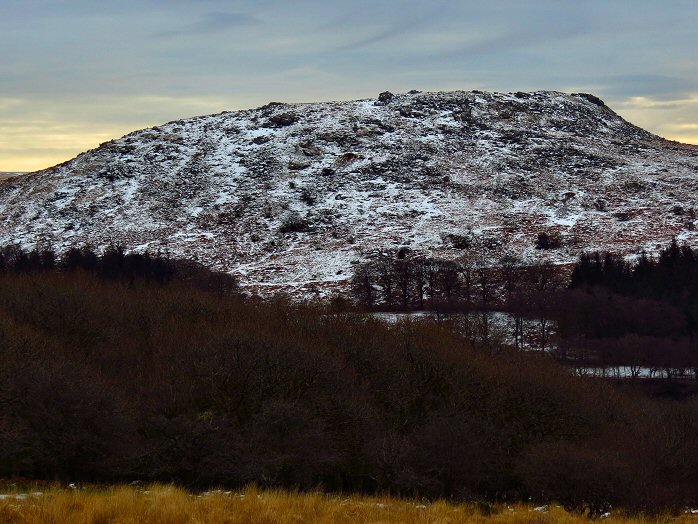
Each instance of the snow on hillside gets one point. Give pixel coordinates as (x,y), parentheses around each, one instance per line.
(291,196)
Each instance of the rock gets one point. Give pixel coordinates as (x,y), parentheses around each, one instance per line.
(409,112)
(459,241)
(463,113)
(568,196)
(385,97)
(591,98)
(271,106)
(311,150)
(347,158)
(283,119)
(297,164)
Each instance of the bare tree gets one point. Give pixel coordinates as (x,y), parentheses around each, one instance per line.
(362,285)
(403,275)
(543,281)
(420,280)
(386,278)
(511,282)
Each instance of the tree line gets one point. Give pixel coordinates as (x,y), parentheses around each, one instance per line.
(103,381)
(640,314)
(114,263)
(605,311)
(469,287)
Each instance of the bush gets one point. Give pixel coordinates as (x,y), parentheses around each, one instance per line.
(548,240)
(293,222)
(582,479)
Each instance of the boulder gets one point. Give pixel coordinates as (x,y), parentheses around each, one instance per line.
(283,119)
(385,97)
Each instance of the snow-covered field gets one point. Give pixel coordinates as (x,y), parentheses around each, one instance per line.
(290,197)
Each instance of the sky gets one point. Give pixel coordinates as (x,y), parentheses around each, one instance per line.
(75,73)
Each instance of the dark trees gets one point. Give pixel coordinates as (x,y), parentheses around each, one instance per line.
(101,381)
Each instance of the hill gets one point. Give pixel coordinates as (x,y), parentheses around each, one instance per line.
(291,196)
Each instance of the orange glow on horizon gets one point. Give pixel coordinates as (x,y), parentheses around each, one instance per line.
(44,161)
(32,145)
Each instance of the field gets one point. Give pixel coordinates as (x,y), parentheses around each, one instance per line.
(169,505)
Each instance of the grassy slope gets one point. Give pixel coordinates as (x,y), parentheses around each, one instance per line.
(168,505)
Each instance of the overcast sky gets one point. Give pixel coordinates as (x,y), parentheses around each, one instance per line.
(74,73)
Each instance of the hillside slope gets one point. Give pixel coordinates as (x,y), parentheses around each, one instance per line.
(290,196)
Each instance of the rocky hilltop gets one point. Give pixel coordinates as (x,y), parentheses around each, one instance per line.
(290,196)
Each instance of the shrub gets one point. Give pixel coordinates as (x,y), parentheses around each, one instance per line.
(548,240)
(293,222)
(582,479)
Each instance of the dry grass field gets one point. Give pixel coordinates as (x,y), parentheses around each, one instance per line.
(168,505)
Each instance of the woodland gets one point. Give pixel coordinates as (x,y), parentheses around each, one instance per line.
(119,367)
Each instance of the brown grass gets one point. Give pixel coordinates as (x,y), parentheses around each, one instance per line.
(160,504)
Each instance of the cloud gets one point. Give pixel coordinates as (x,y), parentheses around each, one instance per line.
(528,31)
(401,25)
(215,22)
(9,103)
(390,32)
